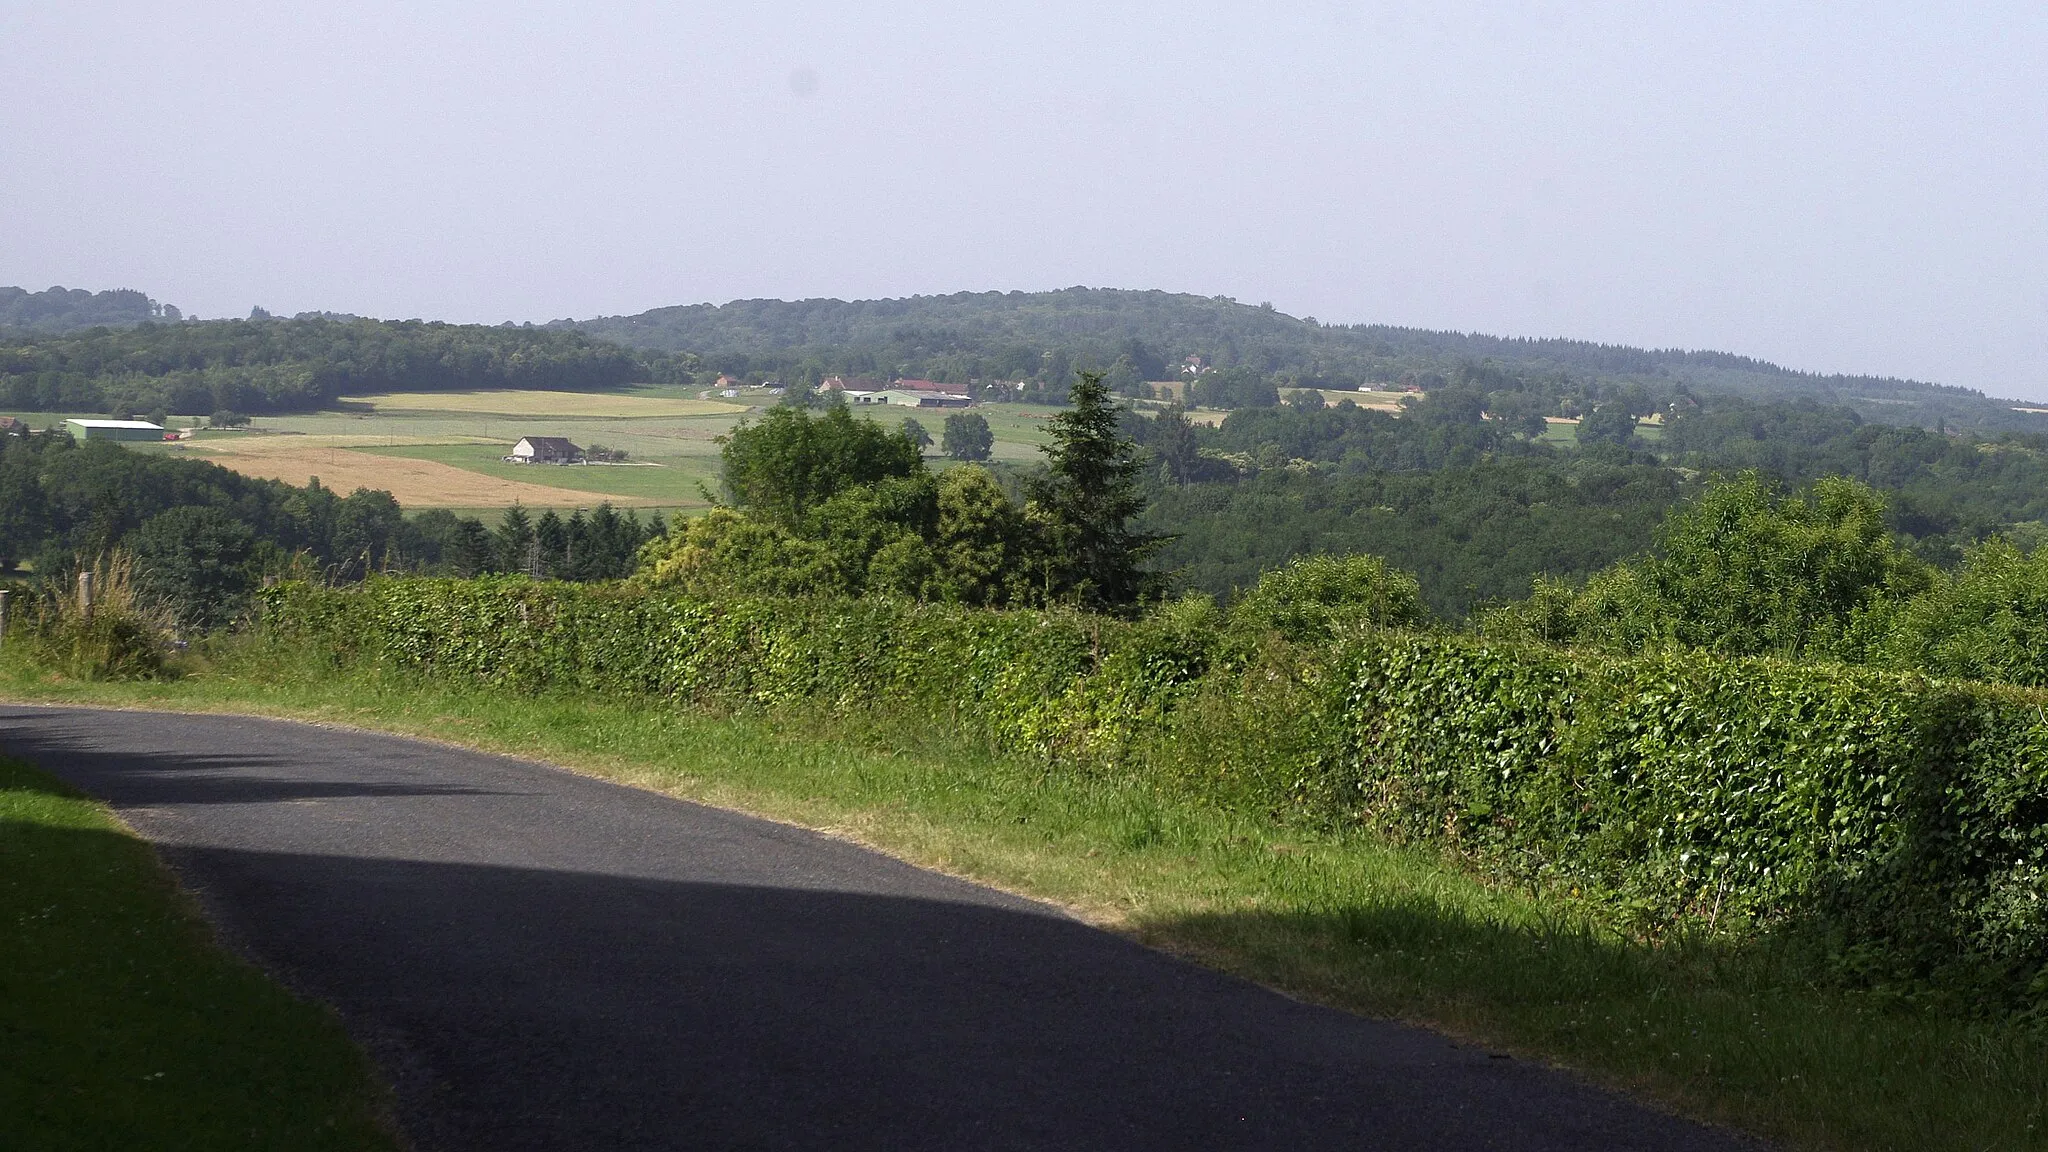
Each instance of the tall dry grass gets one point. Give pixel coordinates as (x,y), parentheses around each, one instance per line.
(125,635)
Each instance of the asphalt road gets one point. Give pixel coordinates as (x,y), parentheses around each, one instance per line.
(541,960)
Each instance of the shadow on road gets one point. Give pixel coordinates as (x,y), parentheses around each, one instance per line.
(198,776)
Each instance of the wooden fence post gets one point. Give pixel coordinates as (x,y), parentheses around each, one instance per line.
(85,595)
(4,594)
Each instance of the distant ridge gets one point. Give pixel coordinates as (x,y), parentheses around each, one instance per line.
(1007,333)
(56,310)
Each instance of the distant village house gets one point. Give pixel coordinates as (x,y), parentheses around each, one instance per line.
(545,450)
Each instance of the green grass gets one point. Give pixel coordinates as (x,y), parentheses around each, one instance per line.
(676,483)
(1734,1036)
(122,1025)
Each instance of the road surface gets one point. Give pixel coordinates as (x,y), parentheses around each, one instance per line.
(539,960)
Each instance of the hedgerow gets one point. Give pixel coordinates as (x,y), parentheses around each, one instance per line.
(1897,823)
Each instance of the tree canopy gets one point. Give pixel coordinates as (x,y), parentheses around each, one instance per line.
(789,461)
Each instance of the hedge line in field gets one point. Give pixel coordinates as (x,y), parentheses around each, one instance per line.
(1901,822)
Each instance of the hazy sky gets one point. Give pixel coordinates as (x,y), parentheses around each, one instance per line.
(1855,187)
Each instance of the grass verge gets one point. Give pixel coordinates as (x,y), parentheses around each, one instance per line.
(123,1025)
(1727,1035)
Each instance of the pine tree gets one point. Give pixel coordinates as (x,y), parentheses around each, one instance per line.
(1086,501)
(514,540)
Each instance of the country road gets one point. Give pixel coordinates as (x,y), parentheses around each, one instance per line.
(539,960)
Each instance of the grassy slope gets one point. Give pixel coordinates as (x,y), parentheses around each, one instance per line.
(1337,918)
(122,1025)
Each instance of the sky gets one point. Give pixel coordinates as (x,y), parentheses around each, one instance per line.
(1853,187)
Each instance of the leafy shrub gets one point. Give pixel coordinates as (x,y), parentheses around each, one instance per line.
(1745,569)
(1986,621)
(1316,598)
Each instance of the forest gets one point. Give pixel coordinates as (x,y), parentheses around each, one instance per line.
(66,310)
(269,364)
(1138,336)
(1478,510)
(1231,355)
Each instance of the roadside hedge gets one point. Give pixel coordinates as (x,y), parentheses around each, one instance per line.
(1897,823)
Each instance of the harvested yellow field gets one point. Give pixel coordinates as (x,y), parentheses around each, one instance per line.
(536,403)
(414,483)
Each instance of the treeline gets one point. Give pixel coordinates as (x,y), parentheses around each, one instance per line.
(1944,488)
(68,309)
(1751,567)
(1479,509)
(303,363)
(1474,534)
(1133,337)
(202,537)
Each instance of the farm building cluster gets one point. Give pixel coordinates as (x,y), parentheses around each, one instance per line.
(903,393)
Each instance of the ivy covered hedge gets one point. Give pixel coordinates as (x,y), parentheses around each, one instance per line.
(1897,823)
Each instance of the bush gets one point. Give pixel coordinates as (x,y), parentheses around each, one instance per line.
(1316,598)
(1986,621)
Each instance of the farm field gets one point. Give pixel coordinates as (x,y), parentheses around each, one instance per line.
(670,483)
(447,449)
(1563,431)
(340,465)
(1383,401)
(515,402)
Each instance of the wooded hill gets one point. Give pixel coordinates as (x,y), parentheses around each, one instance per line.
(71,309)
(73,350)
(1146,335)
(278,365)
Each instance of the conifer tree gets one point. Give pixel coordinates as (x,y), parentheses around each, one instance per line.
(1086,501)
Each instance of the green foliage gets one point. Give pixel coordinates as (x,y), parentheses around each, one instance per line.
(1609,423)
(984,552)
(967,436)
(789,461)
(1471,534)
(723,553)
(1315,599)
(1746,569)
(515,542)
(955,539)
(196,563)
(914,432)
(1986,621)
(61,310)
(1239,387)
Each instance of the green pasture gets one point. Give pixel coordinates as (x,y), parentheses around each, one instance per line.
(674,480)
